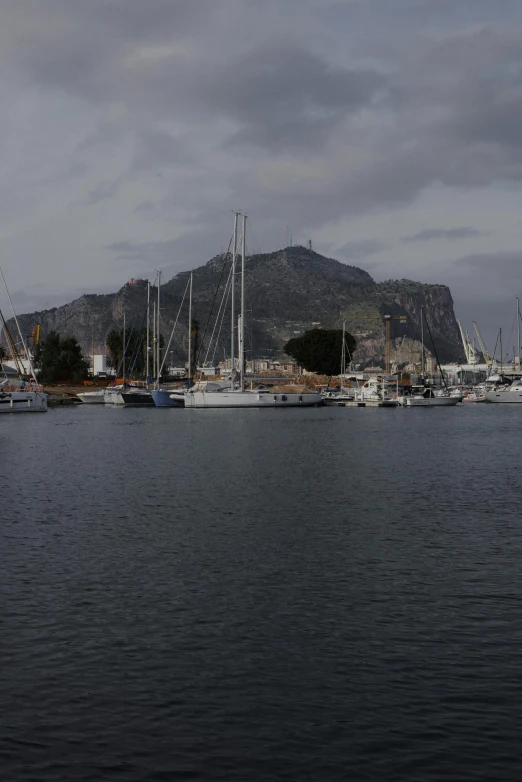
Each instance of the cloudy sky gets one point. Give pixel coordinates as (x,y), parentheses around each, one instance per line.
(387,131)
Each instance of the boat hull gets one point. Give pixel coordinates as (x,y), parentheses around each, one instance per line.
(133,399)
(113,398)
(206,399)
(92,398)
(167,399)
(436,401)
(23,402)
(504,397)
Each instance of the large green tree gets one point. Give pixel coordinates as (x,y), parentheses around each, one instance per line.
(319,350)
(58,359)
(136,349)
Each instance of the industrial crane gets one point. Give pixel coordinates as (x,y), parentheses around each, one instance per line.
(11,345)
(469,349)
(487,358)
(387,320)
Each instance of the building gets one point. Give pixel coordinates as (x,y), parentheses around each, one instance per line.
(101,366)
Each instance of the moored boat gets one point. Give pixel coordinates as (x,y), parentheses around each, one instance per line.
(254,398)
(92,397)
(376,392)
(26,397)
(128,396)
(198,397)
(422,396)
(165,397)
(473,396)
(15,399)
(507,394)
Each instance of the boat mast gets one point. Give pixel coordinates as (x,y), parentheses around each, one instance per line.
(123,358)
(154,340)
(147,359)
(518,330)
(233,300)
(11,344)
(158,359)
(501,358)
(343,354)
(242,344)
(26,352)
(422,340)
(190,334)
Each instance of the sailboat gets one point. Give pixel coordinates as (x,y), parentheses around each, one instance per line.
(426,396)
(165,396)
(24,397)
(210,394)
(511,393)
(125,394)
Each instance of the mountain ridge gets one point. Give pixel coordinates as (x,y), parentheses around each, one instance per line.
(287,292)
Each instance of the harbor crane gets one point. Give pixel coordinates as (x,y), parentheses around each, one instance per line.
(469,348)
(487,358)
(387,321)
(11,345)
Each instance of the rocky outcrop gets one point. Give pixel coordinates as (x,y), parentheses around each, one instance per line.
(287,292)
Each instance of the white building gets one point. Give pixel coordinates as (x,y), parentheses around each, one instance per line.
(101,366)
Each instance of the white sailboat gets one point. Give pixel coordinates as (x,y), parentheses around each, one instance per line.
(207,395)
(342,395)
(427,396)
(164,396)
(92,397)
(124,394)
(18,400)
(507,394)
(24,397)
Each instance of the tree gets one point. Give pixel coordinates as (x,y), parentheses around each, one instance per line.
(3,353)
(59,359)
(135,352)
(114,342)
(319,350)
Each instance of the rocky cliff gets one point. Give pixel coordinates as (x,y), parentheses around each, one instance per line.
(287,292)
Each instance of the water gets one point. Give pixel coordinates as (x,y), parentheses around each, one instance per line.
(324,594)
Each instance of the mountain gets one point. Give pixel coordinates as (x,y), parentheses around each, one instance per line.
(287,292)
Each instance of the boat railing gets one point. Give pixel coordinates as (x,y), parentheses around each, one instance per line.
(28,387)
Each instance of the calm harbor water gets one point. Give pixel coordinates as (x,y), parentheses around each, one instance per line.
(323,594)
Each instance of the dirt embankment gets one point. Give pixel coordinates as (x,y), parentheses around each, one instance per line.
(69,390)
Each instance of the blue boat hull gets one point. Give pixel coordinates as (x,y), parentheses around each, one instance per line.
(162,399)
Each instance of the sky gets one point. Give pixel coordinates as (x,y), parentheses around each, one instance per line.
(389,132)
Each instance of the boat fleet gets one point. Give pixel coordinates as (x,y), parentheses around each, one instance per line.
(232,391)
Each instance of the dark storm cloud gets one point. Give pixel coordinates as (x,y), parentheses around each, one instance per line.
(285,109)
(145,253)
(446,110)
(356,251)
(427,234)
(485,286)
(102,192)
(503,267)
(283,95)
(156,149)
